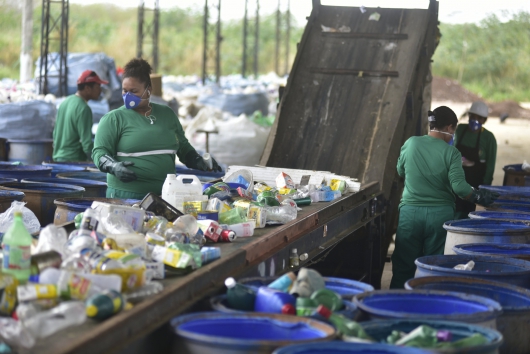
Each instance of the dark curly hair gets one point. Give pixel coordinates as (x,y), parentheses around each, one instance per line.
(139,69)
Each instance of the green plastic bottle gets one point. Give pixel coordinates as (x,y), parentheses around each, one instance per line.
(343,325)
(239,296)
(104,305)
(328,298)
(17,249)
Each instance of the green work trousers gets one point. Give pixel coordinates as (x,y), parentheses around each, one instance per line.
(420,233)
(120,194)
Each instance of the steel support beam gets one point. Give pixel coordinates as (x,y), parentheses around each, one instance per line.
(54,37)
(211,51)
(148,32)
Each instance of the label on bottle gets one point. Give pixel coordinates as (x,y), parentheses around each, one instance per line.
(35,292)
(78,287)
(16,257)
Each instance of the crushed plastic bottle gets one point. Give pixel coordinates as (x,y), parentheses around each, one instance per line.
(282,214)
(52,238)
(15,334)
(144,292)
(46,323)
(468,266)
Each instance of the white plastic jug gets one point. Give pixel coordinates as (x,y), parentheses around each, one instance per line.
(175,188)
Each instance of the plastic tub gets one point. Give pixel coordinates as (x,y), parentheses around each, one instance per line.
(40,197)
(429,305)
(506,270)
(94,189)
(483,231)
(343,347)
(30,151)
(19,172)
(346,288)
(94,176)
(68,208)
(220,304)
(8,197)
(514,175)
(220,333)
(379,330)
(512,250)
(514,323)
(506,215)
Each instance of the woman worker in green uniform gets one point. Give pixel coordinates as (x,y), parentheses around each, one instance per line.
(136,143)
(432,169)
(479,153)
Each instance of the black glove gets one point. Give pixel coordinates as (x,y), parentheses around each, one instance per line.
(195,161)
(118,169)
(483,196)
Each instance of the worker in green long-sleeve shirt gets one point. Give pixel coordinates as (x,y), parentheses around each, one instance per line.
(432,169)
(479,153)
(136,143)
(72,135)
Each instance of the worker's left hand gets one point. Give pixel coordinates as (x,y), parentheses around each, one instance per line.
(483,196)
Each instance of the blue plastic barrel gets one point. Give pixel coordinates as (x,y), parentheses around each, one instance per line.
(525,208)
(506,270)
(19,172)
(507,215)
(512,250)
(220,333)
(219,303)
(379,330)
(484,230)
(7,180)
(527,181)
(84,164)
(428,305)
(68,208)
(95,176)
(503,190)
(8,197)
(336,347)
(514,323)
(56,169)
(40,197)
(346,288)
(93,188)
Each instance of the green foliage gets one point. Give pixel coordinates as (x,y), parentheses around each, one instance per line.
(113,31)
(490,58)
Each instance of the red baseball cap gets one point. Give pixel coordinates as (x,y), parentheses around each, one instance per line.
(90,76)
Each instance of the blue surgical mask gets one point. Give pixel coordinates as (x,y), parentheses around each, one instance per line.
(474,125)
(132,101)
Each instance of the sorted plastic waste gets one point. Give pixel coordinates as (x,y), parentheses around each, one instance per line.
(468,266)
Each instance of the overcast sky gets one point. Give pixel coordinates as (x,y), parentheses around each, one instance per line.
(451,11)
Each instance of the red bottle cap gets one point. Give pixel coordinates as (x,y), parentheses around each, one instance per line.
(323,311)
(288,309)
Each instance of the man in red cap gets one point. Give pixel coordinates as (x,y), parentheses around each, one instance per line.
(72,135)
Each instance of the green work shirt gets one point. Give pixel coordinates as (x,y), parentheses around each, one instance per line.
(432,170)
(72,135)
(487,148)
(127,135)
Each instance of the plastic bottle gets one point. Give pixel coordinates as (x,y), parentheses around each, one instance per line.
(67,314)
(305,306)
(294,261)
(284,282)
(144,292)
(239,296)
(283,213)
(104,305)
(99,262)
(175,188)
(244,229)
(132,242)
(208,160)
(17,249)
(468,266)
(328,298)
(90,220)
(343,325)
(274,301)
(102,281)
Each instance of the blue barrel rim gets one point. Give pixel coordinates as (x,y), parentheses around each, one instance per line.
(74,181)
(491,284)
(67,188)
(98,176)
(506,215)
(70,163)
(24,168)
(464,249)
(217,303)
(30,141)
(68,202)
(342,347)
(498,337)
(509,207)
(8,194)
(512,189)
(461,259)
(490,226)
(327,329)
(494,308)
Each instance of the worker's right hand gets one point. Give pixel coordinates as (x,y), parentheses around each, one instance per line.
(117,168)
(483,197)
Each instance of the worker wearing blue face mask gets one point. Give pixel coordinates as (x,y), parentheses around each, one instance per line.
(432,170)
(136,144)
(479,153)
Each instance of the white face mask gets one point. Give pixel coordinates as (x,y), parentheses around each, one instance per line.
(450,142)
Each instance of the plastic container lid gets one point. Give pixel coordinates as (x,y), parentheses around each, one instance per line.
(230,282)
(487,226)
